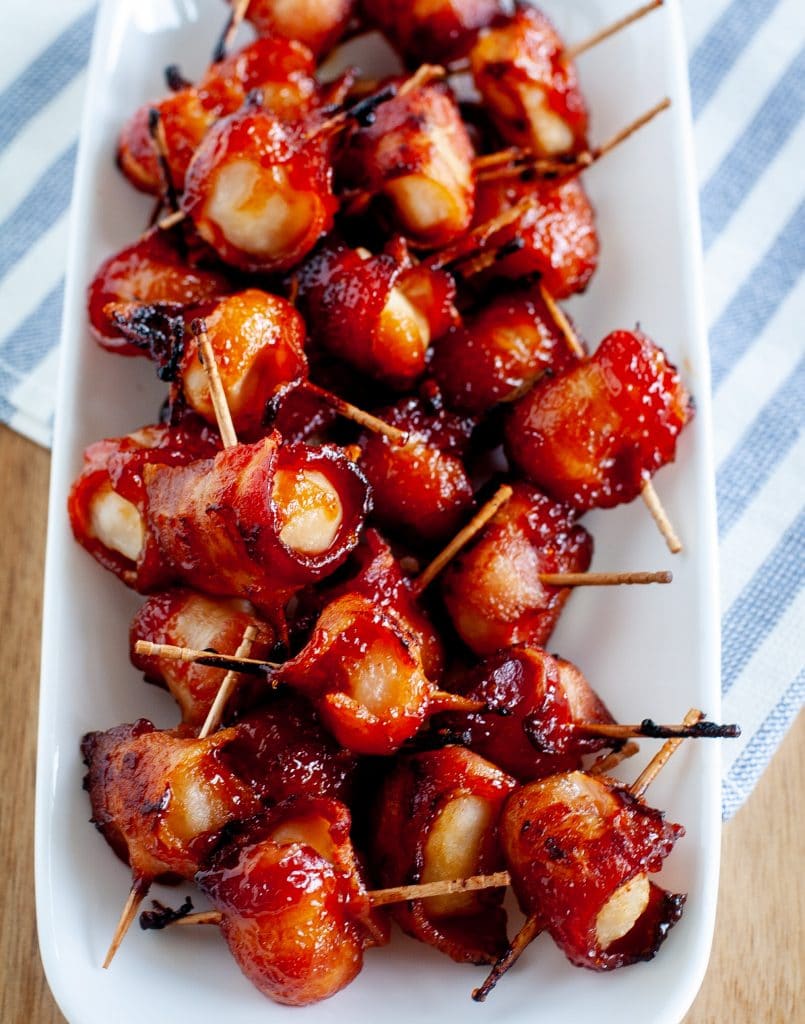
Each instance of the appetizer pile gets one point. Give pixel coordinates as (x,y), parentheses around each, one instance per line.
(357,516)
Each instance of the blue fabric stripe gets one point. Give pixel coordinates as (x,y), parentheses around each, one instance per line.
(723,44)
(760,294)
(28,345)
(45,77)
(756,755)
(757,146)
(763,601)
(38,211)
(766,442)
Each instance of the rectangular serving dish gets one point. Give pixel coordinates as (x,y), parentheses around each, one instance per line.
(649,651)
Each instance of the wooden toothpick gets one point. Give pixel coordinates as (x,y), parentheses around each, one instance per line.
(223,416)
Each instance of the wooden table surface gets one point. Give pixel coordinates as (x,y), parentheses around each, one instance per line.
(754,973)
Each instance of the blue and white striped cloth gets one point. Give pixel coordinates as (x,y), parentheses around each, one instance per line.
(747,71)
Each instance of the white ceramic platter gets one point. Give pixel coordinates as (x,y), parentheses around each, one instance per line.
(650,651)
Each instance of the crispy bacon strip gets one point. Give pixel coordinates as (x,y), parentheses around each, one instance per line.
(437,31)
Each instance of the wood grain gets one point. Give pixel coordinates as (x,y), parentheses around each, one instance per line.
(754,973)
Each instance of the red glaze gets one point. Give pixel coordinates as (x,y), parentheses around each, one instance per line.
(491,588)
(281,751)
(160,800)
(362,669)
(434,30)
(379,313)
(151,270)
(421,488)
(377,576)
(471,927)
(543,697)
(186,619)
(498,352)
(260,190)
(417,155)
(556,234)
(295,912)
(281,69)
(299,414)
(222,526)
(119,463)
(317,25)
(591,436)
(530,89)
(570,841)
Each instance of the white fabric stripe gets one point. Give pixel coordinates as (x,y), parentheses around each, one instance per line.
(757,222)
(699,18)
(36,392)
(44,138)
(756,377)
(765,678)
(26,34)
(34,429)
(746,86)
(30,280)
(755,535)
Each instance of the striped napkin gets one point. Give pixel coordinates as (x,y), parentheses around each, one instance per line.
(747,73)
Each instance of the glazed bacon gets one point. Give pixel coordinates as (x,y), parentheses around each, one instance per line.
(438,31)
(281,69)
(107,501)
(281,751)
(318,25)
(186,619)
(161,800)
(492,588)
(579,850)
(420,489)
(259,190)
(377,312)
(529,87)
(257,339)
(543,697)
(498,352)
(296,916)
(152,270)
(555,237)
(362,669)
(416,155)
(437,819)
(591,436)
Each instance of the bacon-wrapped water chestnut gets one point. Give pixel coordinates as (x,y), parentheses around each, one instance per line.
(591,436)
(528,85)
(295,913)
(259,190)
(257,339)
(420,489)
(107,501)
(362,669)
(492,589)
(161,800)
(416,155)
(281,751)
(152,270)
(437,30)
(543,698)
(380,312)
(318,25)
(259,521)
(499,351)
(281,69)
(184,618)
(555,234)
(437,817)
(579,850)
